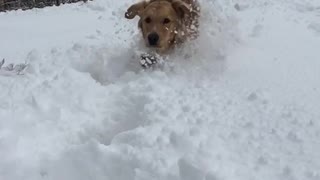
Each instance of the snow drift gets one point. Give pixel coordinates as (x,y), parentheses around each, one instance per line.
(240,102)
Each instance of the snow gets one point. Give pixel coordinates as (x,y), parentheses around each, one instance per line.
(241,102)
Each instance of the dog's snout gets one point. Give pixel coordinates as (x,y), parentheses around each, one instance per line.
(153,39)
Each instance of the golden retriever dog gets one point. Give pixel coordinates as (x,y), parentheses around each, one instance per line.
(166,23)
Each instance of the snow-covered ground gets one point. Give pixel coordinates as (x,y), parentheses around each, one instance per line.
(239,103)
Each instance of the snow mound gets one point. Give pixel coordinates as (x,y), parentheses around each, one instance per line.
(240,102)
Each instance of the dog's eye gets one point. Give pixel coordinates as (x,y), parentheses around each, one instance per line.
(166,21)
(147,20)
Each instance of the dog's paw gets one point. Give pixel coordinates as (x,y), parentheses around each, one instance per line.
(147,60)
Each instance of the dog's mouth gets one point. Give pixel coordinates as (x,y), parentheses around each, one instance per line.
(156,46)
(158,49)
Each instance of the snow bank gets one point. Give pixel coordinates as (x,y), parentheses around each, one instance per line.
(238,103)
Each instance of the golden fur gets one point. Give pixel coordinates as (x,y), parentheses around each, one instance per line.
(165,23)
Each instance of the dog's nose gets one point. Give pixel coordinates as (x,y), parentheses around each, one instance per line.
(153,39)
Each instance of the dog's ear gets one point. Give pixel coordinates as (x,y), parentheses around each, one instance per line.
(182,8)
(135,9)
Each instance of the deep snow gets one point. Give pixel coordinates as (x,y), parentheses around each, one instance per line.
(239,103)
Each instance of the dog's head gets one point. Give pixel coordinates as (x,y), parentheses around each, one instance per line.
(160,21)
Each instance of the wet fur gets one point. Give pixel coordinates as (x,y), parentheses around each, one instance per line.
(183,21)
